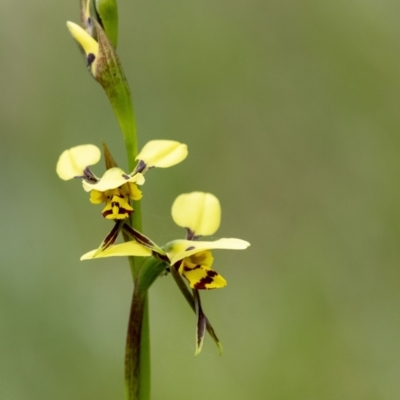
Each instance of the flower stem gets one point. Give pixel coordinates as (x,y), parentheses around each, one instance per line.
(133,371)
(110,75)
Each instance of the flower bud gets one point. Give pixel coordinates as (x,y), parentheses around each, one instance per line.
(107,16)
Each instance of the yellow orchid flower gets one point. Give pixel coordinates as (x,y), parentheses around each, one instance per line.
(115,187)
(200,214)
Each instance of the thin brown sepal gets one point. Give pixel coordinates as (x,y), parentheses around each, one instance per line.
(111,238)
(189,298)
(108,158)
(142,239)
(201,322)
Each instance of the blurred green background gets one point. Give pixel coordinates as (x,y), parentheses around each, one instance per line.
(290,109)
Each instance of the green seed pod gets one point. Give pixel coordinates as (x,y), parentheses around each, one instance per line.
(107,15)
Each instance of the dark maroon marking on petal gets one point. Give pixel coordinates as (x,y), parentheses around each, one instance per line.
(90,58)
(140,167)
(203,282)
(212,273)
(190,234)
(124,211)
(186,268)
(125,176)
(105,213)
(88,176)
(114,203)
(190,248)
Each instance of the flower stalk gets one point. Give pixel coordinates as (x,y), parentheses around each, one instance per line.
(198,213)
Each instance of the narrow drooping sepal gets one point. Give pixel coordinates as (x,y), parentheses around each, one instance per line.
(107,16)
(189,298)
(144,241)
(201,322)
(108,241)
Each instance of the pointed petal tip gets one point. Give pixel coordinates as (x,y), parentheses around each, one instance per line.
(88,256)
(88,44)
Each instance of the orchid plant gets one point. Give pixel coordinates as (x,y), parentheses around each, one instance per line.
(188,260)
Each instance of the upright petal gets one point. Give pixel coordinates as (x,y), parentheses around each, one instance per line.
(72,162)
(162,153)
(198,211)
(180,249)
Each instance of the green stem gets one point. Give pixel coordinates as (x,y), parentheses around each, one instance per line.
(133,372)
(111,77)
(145,365)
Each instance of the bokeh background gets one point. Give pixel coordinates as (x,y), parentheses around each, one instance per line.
(290,109)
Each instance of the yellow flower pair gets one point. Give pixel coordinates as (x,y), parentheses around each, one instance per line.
(199,213)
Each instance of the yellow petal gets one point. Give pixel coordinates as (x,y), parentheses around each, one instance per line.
(202,277)
(162,153)
(88,44)
(180,249)
(112,178)
(118,250)
(72,162)
(97,197)
(198,211)
(134,192)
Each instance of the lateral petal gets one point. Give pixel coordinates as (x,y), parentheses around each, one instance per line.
(162,153)
(73,161)
(118,250)
(180,249)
